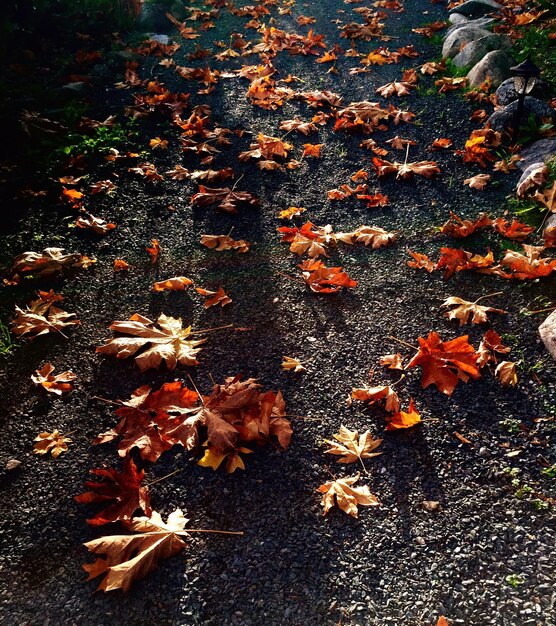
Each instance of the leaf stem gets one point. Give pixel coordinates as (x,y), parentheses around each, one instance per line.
(162,478)
(105,400)
(404,343)
(209,330)
(489,295)
(207,530)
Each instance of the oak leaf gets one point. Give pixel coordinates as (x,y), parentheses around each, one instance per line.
(444,363)
(128,558)
(122,489)
(464,309)
(170,342)
(53,442)
(59,384)
(401,419)
(347,497)
(353,447)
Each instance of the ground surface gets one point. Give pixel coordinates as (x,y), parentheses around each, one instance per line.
(397,564)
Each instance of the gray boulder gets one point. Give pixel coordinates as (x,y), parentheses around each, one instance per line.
(506,93)
(495,64)
(505,118)
(476,50)
(461,37)
(482,22)
(540,151)
(152,18)
(527,169)
(457,18)
(476,8)
(549,231)
(547,331)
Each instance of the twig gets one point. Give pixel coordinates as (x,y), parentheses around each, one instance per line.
(402,342)
(237,181)
(489,295)
(296,280)
(550,308)
(162,478)
(209,330)
(106,401)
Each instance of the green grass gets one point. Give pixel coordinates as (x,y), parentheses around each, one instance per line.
(7,344)
(534,43)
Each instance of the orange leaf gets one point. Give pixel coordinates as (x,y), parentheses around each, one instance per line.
(312,150)
(154,251)
(402,419)
(179,283)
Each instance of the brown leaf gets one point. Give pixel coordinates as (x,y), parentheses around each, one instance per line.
(464,309)
(53,442)
(506,373)
(224,242)
(214,298)
(375,394)
(392,361)
(477,182)
(347,497)
(352,447)
(291,363)
(178,283)
(59,384)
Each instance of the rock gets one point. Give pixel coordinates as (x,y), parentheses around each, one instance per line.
(458,18)
(540,151)
(549,231)
(528,170)
(476,8)
(482,22)
(495,64)
(77,88)
(547,331)
(476,50)
(506,92)
(152,18)
(12,465)
(461,37)
(505,118)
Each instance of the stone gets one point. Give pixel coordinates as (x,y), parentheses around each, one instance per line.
(494,65)
(474,51)
(78,88)
(461,37)
(547,331)
(152,18)
(549,231)
(12,464)
(505,118)
(506,92)
(476,8)
(528,169)
(542,150)
(458,18)
(482,22)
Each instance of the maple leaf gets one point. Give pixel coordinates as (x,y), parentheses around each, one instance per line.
(347,497)
(477,182)
(529,265)
(401,419)
(131,557)
(214,298)
(158,143)
(506,373)
(154,251)
(48,262)
(392,361)
(312,150)
(123,488)
(374,200)
(399,144)
(464,309)
(375,394)
(53,442)
(517,231)
(224,242)
(170,342)
(226,199)
(178,173)
(41,318)
(457,260)
(445,363)
(103,186)
(405,170)
(308,239)
(420,261)
(299,125)
(147,171)
(397,88)
(291,363)
(323,279)
(178,283)
(120,265)
(352,447)
(97,225)
(59,384)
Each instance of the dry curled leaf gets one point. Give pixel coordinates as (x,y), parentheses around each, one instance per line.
(96,224)
(392,361)
(506,373)
(178,283)
(120,265)
(477,182)
(153,251)
(291,363)
(375,394)
(48,262)
(122,490)
(59,384)
(170,342)
(224,242)
(402,419)
(40,318)
(323,279)
(352,447)
(347,497)
(214,298)
(53,442)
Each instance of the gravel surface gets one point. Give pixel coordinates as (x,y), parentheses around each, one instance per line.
(397,564)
